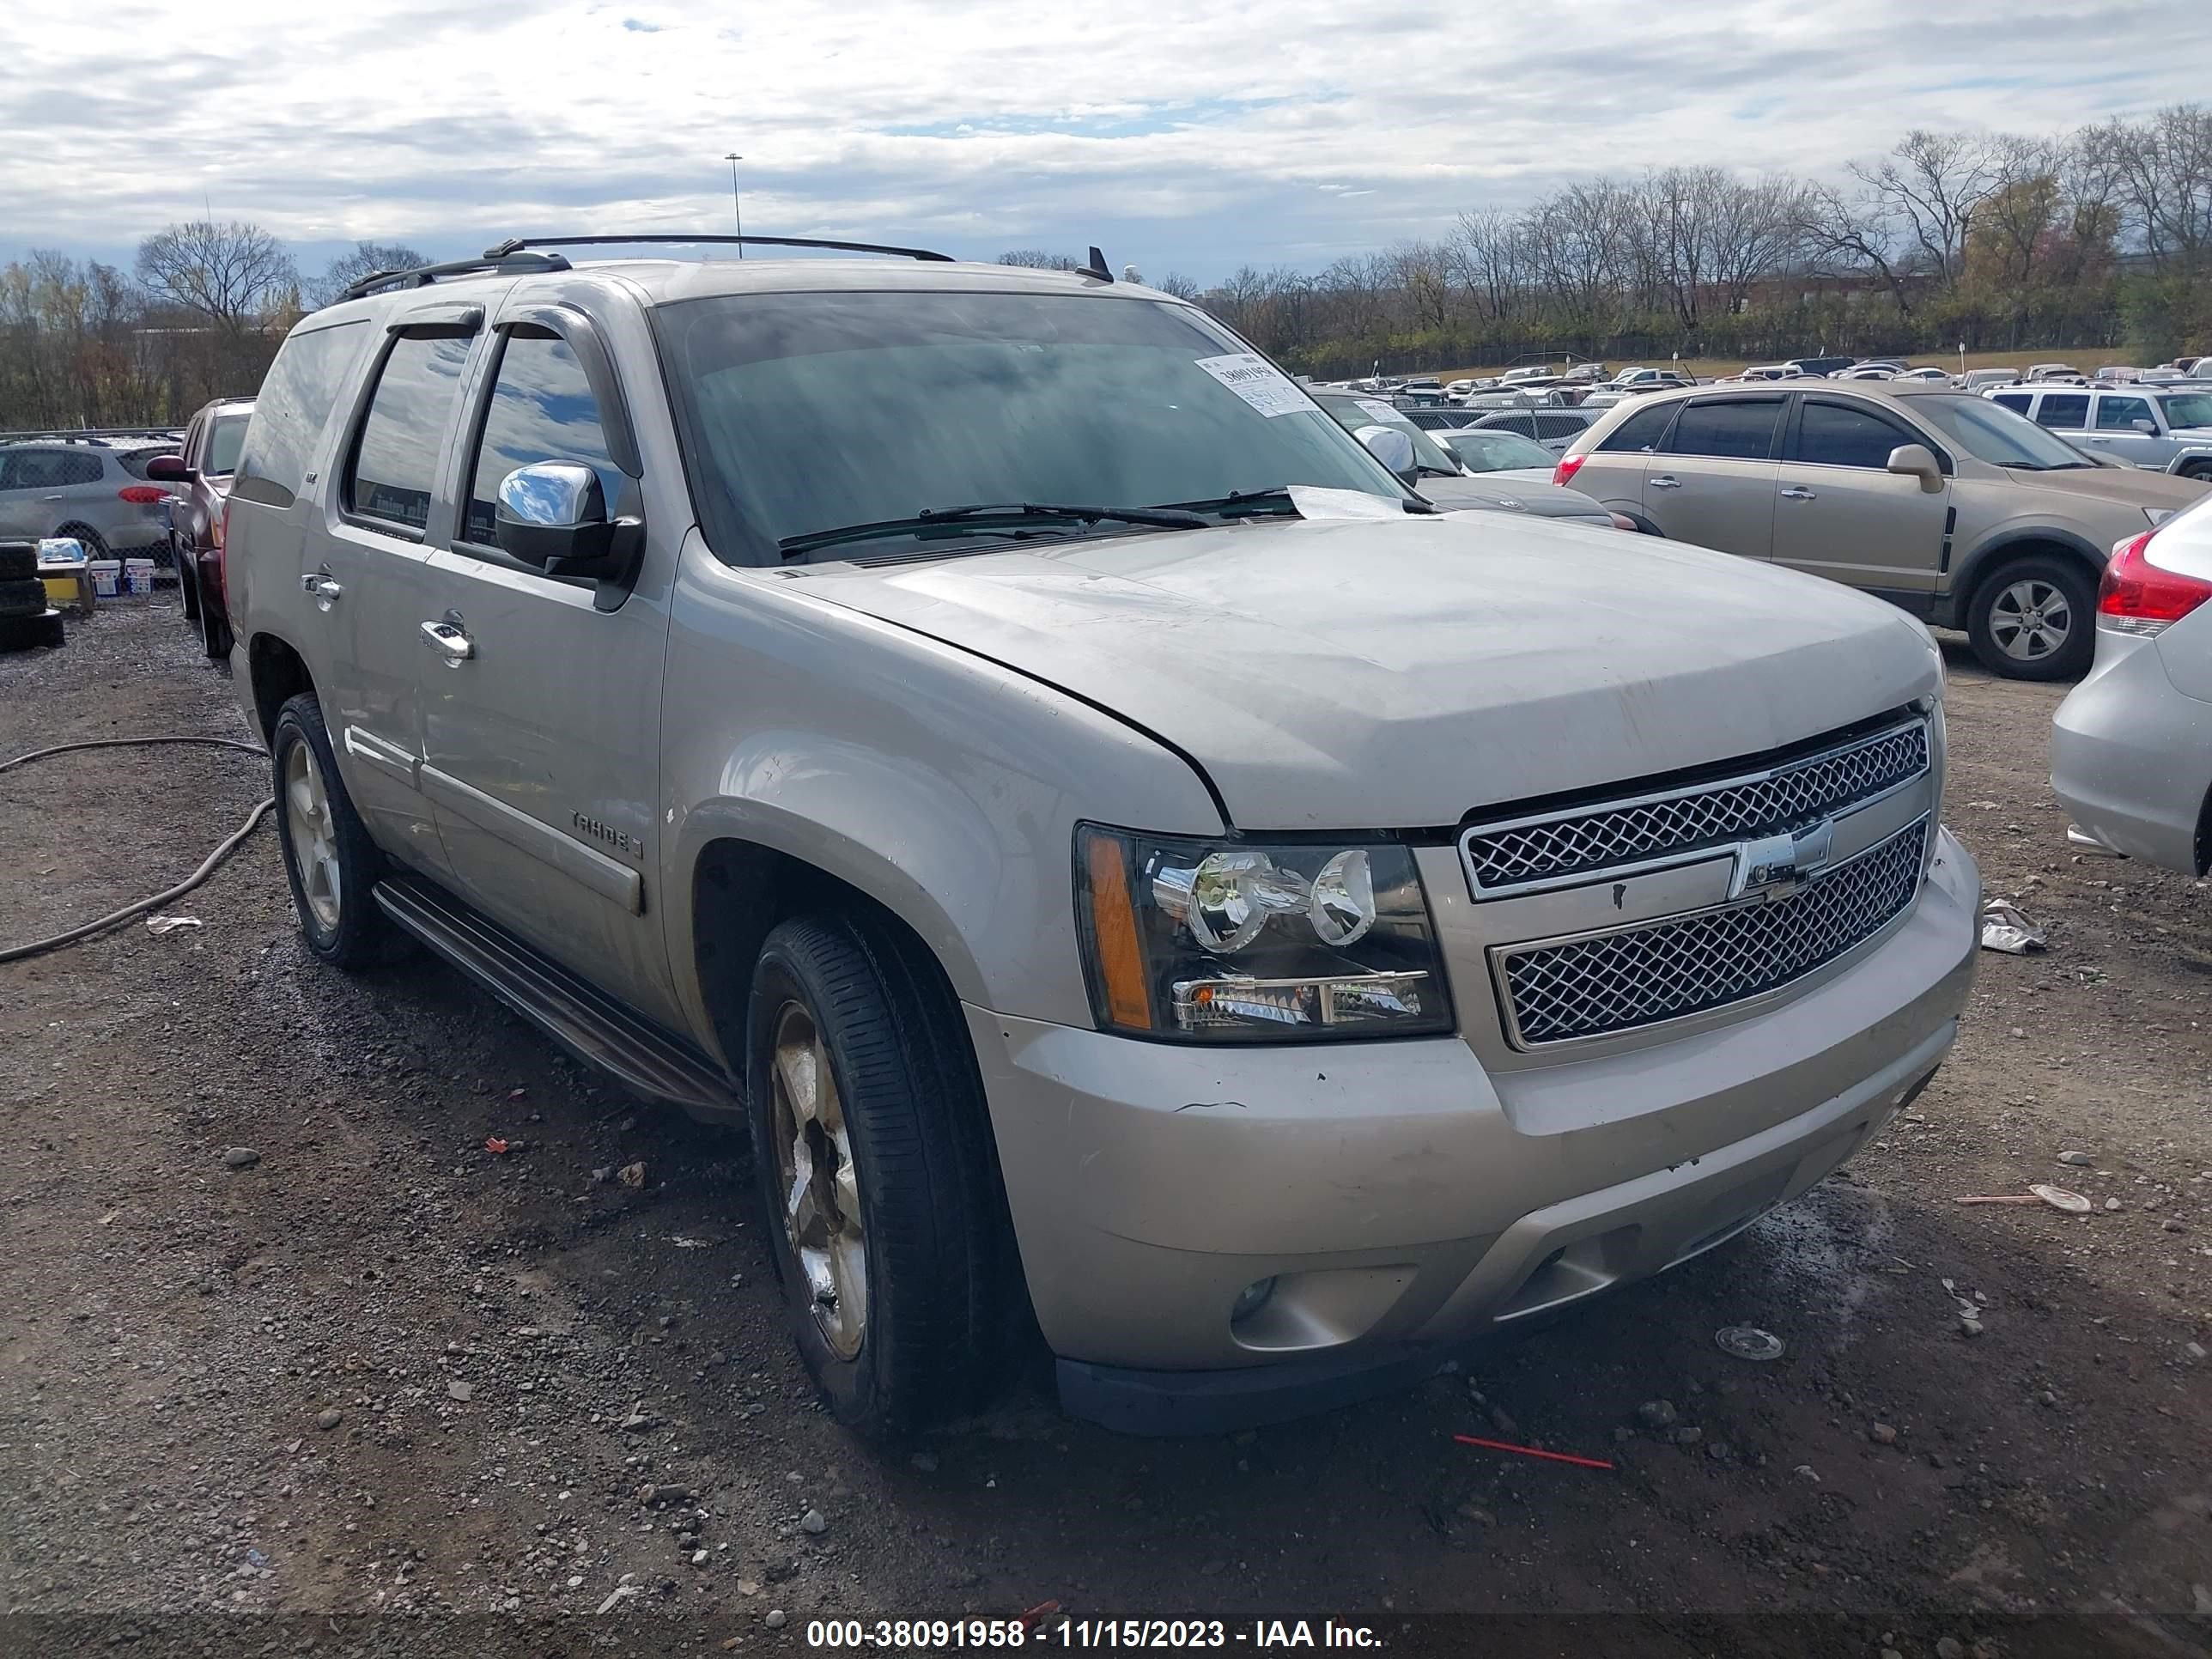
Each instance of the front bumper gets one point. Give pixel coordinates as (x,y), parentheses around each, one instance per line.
(2127,757)
(1406,1201)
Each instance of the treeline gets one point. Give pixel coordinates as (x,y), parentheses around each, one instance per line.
(2099,237)
(198,316)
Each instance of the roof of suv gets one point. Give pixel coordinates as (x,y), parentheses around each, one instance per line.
(664,280)
(1878,391)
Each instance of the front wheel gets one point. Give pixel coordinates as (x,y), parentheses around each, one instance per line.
(2035,620)
(188,579)
(330,861)
(873,1161)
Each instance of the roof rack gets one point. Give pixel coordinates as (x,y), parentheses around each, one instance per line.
(508,259)
(91,434)
(516,245)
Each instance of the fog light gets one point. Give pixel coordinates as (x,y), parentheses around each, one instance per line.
(1249,1300)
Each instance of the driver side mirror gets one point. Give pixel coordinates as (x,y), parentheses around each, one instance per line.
(2148,428)
(1917,461)
(168,468)
(553,514)
(1392,448)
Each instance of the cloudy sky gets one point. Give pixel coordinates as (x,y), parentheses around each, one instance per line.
(1177,134)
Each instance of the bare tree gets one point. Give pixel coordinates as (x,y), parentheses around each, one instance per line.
(1038,259)
(1930,185)
(229,273)
(1176,284)
(367,258)
(1854,234)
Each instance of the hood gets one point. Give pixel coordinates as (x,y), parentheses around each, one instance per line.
(1399,674)
(1530,492)
(2123,486)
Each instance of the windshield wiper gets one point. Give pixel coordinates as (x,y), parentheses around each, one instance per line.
(985,516)
(1248,502)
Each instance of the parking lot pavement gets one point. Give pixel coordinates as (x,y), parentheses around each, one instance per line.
(381,1368)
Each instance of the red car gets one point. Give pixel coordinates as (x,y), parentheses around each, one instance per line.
(210,455)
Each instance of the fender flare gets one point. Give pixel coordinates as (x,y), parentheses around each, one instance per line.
(1979,561)
(2190,457)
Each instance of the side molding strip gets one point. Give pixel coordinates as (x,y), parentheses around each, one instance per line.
(608,878)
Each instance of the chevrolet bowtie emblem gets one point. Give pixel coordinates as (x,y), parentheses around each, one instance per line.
(1779,866)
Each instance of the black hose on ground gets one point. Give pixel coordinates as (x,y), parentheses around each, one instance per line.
(37,946)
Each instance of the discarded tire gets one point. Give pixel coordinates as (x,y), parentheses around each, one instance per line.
(19,561)
(21,632)
(22,597)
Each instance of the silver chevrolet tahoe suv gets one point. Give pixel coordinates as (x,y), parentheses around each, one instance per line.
(1138,873)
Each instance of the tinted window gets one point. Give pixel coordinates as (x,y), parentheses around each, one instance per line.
(542,409)
(1557,426)
(2120,413)
(1732,431)
(1642,430)
(288,413)
(809,412)
(1830,435)
(2016,401)
(2063,411)
(48,469)
(395,460)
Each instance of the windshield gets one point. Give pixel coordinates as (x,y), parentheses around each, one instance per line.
(1484,450)
(223,444)
(2189,409)
(1990,431)
(1353,413)
(809,412)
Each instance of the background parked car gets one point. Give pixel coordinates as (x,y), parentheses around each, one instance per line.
(2167,431)
(1951,506)
(201,475)
(1822,366)
(1440,476)
(1980,379)
(1929,372)
(1554,429)
(2131,746)
(92,490)
(1490,452)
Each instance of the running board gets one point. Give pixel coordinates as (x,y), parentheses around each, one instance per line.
(598,1031)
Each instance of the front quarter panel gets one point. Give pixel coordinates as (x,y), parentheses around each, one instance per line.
(945,787)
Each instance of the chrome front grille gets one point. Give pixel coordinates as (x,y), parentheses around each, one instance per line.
(1638,975)
(1513,857)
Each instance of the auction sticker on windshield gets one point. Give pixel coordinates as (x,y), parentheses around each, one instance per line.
(1258,382)
(1380,411)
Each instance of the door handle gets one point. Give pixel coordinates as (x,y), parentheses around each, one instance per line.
(1665,480)
(325,591)
(1796,492)
(449,641)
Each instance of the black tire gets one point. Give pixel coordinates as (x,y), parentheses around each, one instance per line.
(19,561)
(22,597)
(2200,471)
(214,632)
(188,579)
(358,935)
(21,632)
(940,1288)
(95,547)
(2042,583)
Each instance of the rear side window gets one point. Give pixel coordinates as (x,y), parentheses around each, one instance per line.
(542,409)
(1834,435)
(1642,430)
(394,466)
(2121,414)
(2063,411)
(2016,401)
(48,469)
(1559,425)
(1740,430)
(288,413)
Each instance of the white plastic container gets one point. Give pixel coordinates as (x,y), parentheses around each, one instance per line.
(138,578)
(106,575)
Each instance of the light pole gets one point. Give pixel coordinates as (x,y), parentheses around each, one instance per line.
(736,206)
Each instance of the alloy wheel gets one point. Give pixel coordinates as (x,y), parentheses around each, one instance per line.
(314,835)
(2031,620)
(819,1181)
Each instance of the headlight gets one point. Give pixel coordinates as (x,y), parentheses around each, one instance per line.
(1238,942)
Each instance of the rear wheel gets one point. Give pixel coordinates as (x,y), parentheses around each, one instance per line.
(873,1161)
(215,630)
(188,579)
(330,861)
(2034,619)
(2200,471)
(85,537)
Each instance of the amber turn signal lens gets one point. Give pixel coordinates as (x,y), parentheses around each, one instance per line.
(1114,925)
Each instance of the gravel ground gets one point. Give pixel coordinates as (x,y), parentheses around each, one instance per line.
(285,1342)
